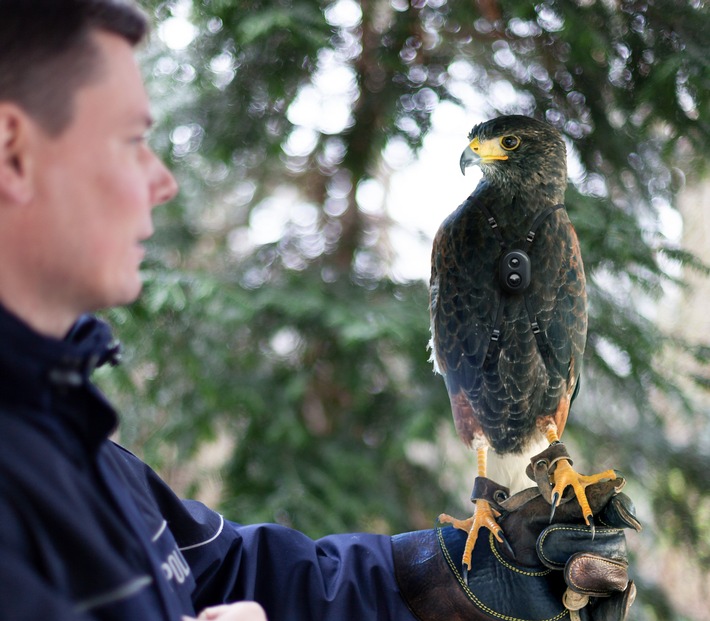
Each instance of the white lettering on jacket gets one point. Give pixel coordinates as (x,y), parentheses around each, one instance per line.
(175,567)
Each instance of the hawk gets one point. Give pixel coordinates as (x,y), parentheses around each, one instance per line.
(508,310)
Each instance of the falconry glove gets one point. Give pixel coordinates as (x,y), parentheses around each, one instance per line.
(547,571)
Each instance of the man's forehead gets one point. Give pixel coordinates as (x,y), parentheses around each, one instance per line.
(118,90)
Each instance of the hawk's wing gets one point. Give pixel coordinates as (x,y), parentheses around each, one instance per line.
(557,297)
(463,303)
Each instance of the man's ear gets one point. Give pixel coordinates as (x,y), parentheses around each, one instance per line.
(15,156)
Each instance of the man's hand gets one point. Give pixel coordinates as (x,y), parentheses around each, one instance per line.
(562,570)
(239,611)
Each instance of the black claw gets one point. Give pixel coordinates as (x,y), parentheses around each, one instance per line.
(591,525)
(506,544)
(464,572)
(555,499)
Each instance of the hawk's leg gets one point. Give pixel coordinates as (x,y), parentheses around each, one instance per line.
(564,476)
(484,516)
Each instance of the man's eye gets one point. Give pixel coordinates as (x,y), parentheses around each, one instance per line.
(510,143)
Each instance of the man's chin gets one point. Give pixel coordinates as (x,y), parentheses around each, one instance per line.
(127,295)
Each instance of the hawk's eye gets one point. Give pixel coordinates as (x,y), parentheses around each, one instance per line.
(510,143)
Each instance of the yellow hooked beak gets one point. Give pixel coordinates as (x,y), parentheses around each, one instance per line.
(477,152)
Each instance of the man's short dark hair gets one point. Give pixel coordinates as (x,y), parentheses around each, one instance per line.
(47,51)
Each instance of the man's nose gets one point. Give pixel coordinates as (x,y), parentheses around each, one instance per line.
(164,185)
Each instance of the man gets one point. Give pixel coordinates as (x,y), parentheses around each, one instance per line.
(87,530)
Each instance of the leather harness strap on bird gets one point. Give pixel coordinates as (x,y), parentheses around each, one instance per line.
(509,314)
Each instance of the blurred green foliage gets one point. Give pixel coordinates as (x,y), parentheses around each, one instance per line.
(304,350)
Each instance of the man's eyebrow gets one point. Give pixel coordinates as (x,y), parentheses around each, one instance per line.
(144,119)
(143,122)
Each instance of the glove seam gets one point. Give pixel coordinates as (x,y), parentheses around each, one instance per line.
(507,565)
(472,596)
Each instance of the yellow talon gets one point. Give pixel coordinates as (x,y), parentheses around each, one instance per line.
(565,476)
(484,517)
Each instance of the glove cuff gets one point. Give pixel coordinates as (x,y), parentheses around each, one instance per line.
(428,571)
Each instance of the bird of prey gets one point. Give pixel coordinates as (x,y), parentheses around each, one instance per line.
(509,310)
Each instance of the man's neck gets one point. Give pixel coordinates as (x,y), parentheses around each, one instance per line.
(39,316)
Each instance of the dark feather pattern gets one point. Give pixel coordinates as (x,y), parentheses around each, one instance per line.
(500,391)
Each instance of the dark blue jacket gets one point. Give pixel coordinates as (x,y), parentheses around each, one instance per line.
(88,531)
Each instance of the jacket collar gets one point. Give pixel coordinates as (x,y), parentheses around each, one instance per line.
(49,379)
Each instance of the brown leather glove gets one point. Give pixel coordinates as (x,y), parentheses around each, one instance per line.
(550,571)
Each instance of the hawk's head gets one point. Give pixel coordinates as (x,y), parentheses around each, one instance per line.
(518,151)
